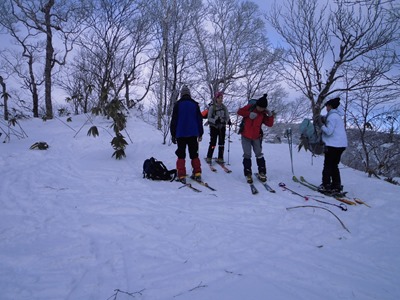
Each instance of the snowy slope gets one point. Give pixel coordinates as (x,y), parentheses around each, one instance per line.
(78,224)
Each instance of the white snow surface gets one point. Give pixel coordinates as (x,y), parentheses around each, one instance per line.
(76,223)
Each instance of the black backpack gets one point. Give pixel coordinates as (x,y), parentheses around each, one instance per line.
(156,170)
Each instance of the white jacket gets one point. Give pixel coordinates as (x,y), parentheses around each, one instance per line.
(333,132)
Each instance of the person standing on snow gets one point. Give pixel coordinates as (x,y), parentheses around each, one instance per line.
(187,130)
(335,138)
(218,117)
(254,115)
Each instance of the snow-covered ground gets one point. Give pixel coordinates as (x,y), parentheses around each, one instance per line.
(78,224)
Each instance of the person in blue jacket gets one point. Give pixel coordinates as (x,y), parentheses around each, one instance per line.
(187,131)
(335,138)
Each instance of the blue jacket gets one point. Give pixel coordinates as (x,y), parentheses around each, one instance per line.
(187,120)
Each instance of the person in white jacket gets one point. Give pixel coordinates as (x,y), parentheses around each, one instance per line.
(335,138)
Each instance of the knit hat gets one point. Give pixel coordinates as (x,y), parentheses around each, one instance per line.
(262,102)
(218,94)
(185,91)
(334,103)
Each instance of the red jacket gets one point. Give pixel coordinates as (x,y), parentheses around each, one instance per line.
(252,127)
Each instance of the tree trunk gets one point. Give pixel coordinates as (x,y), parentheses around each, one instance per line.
(33,88)
(5,97)
(49,59)
(126,81)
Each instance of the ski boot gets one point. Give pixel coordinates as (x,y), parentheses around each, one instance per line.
(182,179)
(324,188)
(262,177)
(196,176)
(219,161)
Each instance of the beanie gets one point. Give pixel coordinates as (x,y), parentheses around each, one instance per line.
(185,91)
(218,94)
(262,102)
(333,102)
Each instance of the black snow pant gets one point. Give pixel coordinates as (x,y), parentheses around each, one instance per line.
(331,173)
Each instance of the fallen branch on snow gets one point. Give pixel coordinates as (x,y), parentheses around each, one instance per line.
(313,206)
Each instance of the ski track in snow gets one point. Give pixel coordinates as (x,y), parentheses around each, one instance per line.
(77,224)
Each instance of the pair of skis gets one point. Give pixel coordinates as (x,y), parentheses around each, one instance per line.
(338,196)
(254,190)
(205,184)
(222,165)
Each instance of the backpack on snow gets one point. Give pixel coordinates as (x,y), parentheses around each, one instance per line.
(311,138)
(156,170)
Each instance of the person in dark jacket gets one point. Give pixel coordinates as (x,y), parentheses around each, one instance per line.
(218,118)
(187,131)
(254,115)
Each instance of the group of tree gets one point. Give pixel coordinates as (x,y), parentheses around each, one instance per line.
(102,51)
(347,48)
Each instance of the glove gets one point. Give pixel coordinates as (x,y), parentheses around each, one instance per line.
(323,119)
(253,115)
(271,113)
(319,122)
(173,139)
(229,122)
(217,121)
(200,139)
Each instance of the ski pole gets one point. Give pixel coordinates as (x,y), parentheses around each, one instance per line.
(289,136)
(229,142)
(342,207)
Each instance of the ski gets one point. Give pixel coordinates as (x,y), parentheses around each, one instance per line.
(266,185)
(253,189)
(359,201)
(203,184)
(339,197)
(189,186)
(342,206)
(222,165)
(314,187)
(212,168)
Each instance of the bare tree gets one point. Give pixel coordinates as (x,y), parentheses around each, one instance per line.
(77,82)
(293,111)
(367,108)
(234,50)
(175,47)
(28,68)
(55,21)
(322,42)
(112,51)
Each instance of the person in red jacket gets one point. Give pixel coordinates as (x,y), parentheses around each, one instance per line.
(254,115)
